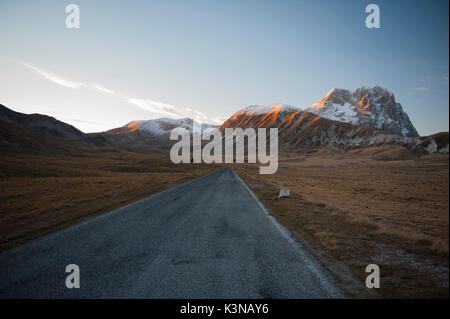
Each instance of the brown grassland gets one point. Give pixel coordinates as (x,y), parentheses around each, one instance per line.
(43,193)
(381,205)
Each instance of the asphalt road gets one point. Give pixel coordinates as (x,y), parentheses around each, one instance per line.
(209,238)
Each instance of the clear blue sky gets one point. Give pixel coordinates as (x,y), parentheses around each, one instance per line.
(209,58)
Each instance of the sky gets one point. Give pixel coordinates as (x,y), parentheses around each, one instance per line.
(138,60)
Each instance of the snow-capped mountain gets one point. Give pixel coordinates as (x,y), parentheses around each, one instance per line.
(259,115)
(366,106)
(146,136)
(264,109)
(299,129)
(162,126)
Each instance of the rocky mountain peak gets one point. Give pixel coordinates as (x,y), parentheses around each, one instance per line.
(338,96)
(374,106)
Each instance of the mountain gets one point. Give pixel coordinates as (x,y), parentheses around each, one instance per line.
(299,130)
(37,132)
(43,123)
(44,134)
(436,143)
(144,136)
(366,106)
(161,126)
(263,109)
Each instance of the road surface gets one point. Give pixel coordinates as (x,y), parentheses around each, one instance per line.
(208,238)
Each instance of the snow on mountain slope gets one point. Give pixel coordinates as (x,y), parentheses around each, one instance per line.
(259,115)
(264,109)
(298,129)
(161,126)
(366,106)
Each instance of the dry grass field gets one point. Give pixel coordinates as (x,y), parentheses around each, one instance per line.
(43,193)
(381,205)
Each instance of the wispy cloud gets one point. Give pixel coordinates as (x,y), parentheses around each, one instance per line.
(102,89)
(422,89)
(53,77)
(146,104)
(153,106)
